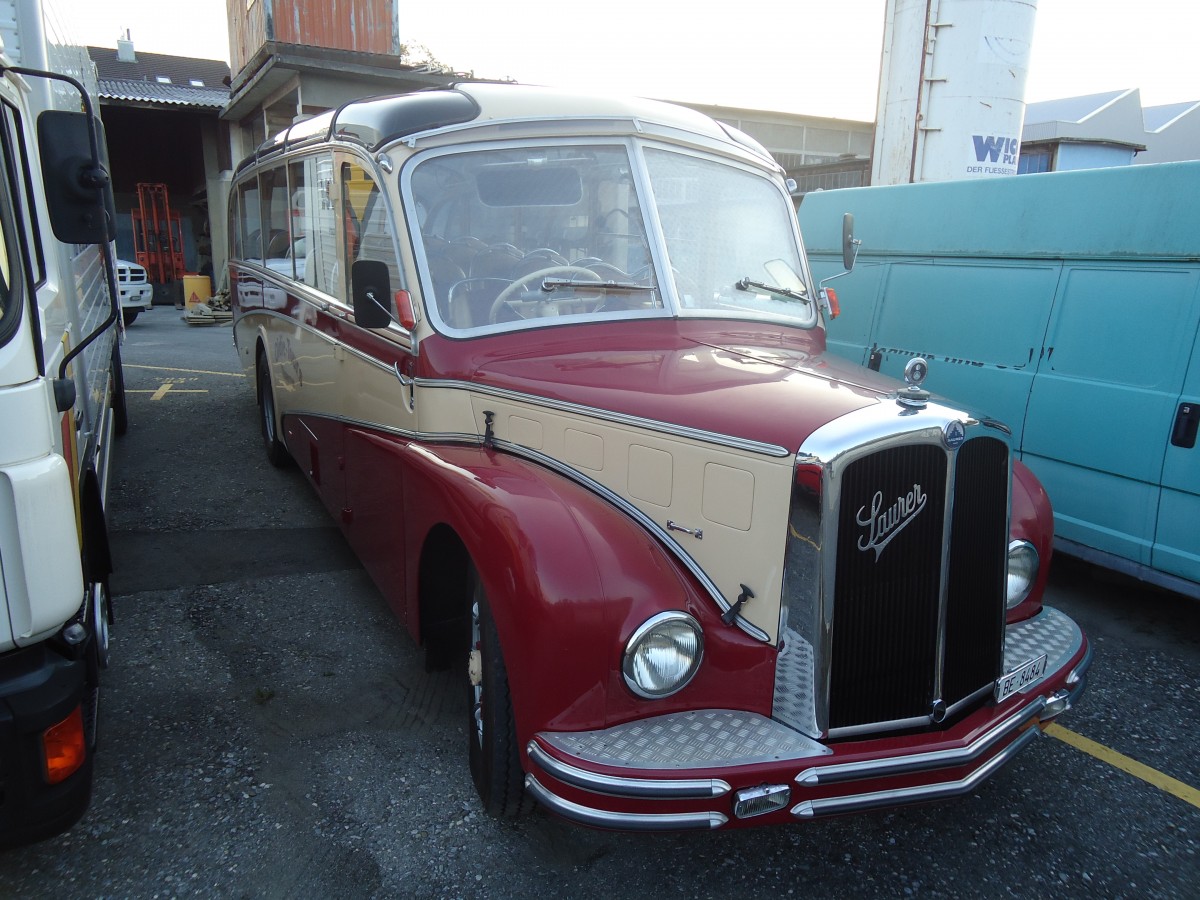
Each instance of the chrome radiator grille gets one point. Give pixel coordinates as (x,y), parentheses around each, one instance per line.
(907,620)
(886,598)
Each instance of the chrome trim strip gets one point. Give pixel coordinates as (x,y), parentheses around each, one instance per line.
(920,793)
(600,818)
(878,727)
(336,309)
(616,786)
(970,699)
(312,434)
(922,762)
(696,434)
(409,435)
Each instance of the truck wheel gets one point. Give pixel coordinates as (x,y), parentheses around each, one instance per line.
(119,408)
(277,453)
(492,734)
(129,315)
(100,616)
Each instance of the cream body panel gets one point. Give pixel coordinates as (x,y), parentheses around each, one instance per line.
(304,366)
(371,393)
(693,484)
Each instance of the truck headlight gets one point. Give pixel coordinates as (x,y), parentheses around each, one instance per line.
(1022,571)
(663,654)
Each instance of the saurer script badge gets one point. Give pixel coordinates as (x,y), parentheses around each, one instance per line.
(884,524)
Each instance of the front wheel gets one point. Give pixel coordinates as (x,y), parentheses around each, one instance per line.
(495,761)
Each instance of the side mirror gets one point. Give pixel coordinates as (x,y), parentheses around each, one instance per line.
(849,244)
(78,186)
(370,285)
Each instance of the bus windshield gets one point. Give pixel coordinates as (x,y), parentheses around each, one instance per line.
(520,236)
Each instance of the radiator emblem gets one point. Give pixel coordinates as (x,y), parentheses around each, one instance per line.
(884,524)
(954,434)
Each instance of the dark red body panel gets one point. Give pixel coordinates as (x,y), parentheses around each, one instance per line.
(764,383)
(568,577)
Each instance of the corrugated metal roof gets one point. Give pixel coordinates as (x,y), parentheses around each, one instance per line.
(160,79)
(154,92)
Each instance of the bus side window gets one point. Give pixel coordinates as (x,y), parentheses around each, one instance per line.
(369,231)
(276,217)
(248,235)
(314,223)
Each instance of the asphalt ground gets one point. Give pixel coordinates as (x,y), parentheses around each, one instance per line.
(268,729)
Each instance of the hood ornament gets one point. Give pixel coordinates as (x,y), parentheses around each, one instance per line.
(913,397)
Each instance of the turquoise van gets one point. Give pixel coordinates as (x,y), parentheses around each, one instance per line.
(1064,304)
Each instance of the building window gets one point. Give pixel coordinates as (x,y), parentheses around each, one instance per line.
(1032,161)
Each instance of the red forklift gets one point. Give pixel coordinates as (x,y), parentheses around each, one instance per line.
(158,242)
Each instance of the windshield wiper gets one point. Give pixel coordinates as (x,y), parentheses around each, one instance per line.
(553,284)
(746,284)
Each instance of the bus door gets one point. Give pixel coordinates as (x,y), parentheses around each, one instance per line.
(376,386)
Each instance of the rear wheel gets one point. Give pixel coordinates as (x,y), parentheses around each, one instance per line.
(277,453)
(495,761)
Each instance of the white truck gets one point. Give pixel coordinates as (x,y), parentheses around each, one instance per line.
(61,403)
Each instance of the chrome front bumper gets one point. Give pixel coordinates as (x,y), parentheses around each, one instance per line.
(684,770)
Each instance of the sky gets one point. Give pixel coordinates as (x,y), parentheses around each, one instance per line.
(814,57)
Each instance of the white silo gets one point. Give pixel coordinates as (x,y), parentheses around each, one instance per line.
(951,89)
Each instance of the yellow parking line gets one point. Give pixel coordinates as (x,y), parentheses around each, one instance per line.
(1163,782)
(194,371)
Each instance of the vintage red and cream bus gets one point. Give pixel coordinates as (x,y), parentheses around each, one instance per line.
(557,365)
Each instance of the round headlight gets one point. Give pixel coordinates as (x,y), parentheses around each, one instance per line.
(663,654)
(1022,571)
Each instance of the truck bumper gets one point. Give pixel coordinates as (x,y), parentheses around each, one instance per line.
(39,688)
(716,768)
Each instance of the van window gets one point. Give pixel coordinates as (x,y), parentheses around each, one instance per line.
(7,310)
(23,191)
(10,308)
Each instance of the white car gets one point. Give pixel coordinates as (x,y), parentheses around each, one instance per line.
(134,289)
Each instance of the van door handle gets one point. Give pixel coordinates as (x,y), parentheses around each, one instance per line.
(1187,420)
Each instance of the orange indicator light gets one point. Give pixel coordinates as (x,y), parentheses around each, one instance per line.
(64,748)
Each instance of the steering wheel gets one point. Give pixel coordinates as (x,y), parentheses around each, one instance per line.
(505,297)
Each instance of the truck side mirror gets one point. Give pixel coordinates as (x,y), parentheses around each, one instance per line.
(78,186)
(370,285)
(849,244)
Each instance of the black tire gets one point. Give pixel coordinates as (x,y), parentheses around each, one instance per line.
(119,407)
(491,729)
(277,453)
(129,316)
(100,619)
